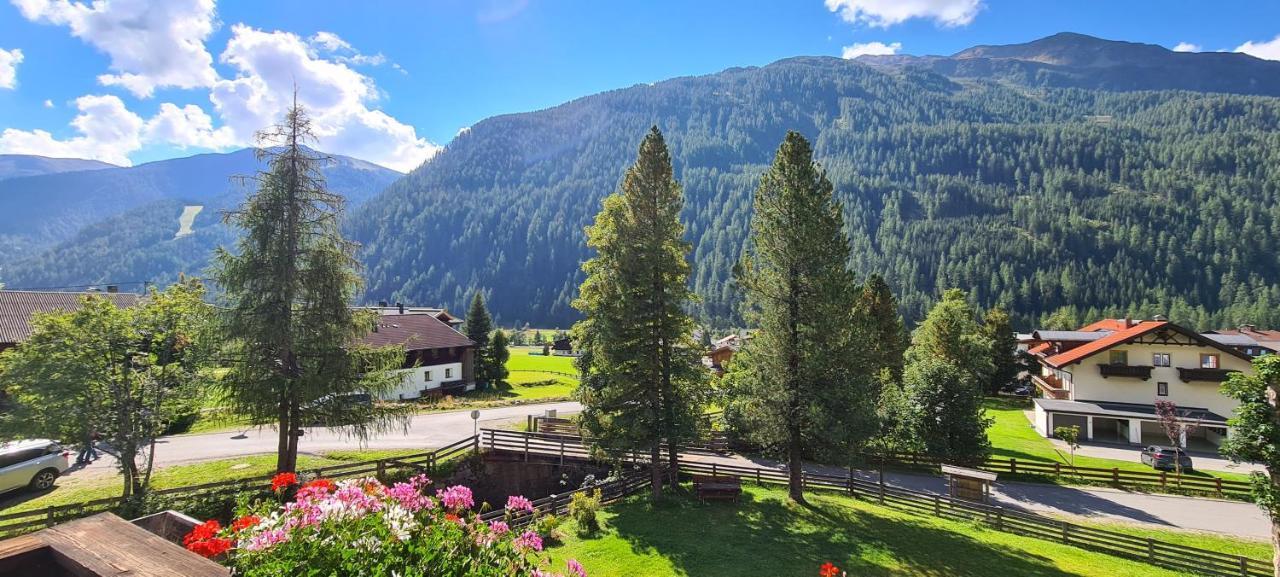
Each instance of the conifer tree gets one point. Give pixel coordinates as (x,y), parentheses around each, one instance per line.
(1256,434)
(479,326)
(798,386)
(498,351)
(1004,349)
(947,366)
(286,295)
(886,338)
(642,383)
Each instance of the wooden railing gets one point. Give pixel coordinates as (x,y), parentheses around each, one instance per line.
(1149,550)
(429,462)
(610,492)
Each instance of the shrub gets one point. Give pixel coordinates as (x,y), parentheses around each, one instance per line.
(548,525)
(363,527)
(583,508)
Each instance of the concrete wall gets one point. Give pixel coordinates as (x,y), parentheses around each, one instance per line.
(418,378)
(1088,383)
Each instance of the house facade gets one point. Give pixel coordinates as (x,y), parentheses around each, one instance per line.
(1106,377)
(438,361)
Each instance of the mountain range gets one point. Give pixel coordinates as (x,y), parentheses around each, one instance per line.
(18,165)
(1068,175)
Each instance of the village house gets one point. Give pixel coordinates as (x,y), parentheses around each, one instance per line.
(439,360)
(1106,377)
(1248,339)
(17,307)
(721,351)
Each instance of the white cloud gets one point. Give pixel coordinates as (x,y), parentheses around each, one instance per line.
(342,51)
(48,103)
(1269,50)
(270,65)
(151,44)
(871,49)
(9,61)
(107,131)
(1187,47)
(187,127)
(886,13)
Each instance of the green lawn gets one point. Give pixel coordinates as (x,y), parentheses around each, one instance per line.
(532,359)
(1012,437)
(765,535)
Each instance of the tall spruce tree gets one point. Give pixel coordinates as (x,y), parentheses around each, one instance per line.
(286,295)
(1005,364)
(478,329)
(948,364)
(886,339)
(500,354)
(798,386)
(642,383)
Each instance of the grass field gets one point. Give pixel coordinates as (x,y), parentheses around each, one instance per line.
(1013,437)
(764,535)
(77,490)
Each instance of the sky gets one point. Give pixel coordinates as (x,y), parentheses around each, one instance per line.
(392,82)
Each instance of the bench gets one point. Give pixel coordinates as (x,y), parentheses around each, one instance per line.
(717,487)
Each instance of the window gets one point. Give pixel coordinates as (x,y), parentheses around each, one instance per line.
(426,375)
(1160,359)
(1162,389)
(1208,361)
(1119,357)
(448,373)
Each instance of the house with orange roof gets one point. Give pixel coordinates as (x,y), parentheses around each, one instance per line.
(1106,377)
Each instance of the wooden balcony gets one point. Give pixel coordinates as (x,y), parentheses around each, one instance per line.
(1051,386)
(1133,371)
(1207,375)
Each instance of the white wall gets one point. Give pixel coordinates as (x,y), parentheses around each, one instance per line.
(419,378)
(1089,385)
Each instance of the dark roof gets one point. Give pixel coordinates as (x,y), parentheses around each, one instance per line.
(562,345)
(1126,335)
(16,308)
(415,332)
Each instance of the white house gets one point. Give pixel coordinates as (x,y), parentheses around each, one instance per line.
(1106,378)
(438,360)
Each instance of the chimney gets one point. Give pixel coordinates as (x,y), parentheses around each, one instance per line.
(1128,320)
(113,288)
(401,307)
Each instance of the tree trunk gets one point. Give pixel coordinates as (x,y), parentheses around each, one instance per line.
(655,470)
(285,427)
(795,483)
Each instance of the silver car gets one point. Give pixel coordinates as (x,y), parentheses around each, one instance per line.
(31,463)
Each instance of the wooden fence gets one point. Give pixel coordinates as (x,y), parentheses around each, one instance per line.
(1149,550)
(1118,477)
(610,492)
(428,462)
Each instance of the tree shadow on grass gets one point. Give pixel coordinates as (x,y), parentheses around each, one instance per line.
(765,535)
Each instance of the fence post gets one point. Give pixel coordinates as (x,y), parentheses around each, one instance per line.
(713,469)
(561,452)
(1013,465)
(48,516)
(1057,468)
(1151,550)
(1115,475)
(882,485)
(758,475)
(849,482)
(526,448)
(1244,566)
(1218,482)
(382,470)
(1066,533)
(937,506)
(999,518)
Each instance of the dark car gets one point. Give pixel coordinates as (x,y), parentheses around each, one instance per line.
(1163,458)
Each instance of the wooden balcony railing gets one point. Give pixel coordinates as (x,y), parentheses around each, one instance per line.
(1136,371)
(1208,375)
(1051,386)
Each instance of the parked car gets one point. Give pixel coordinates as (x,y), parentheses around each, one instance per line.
(1163,458)
(32,463)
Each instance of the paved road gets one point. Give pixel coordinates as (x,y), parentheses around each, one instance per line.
(438,429)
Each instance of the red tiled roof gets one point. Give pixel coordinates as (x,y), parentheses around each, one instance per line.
(1040,348)
(415,332)
(16,308)
(1104,325)
(1118,337)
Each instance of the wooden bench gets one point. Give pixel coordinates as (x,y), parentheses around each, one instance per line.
(717,487)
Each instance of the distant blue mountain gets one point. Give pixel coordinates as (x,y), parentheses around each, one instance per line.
(19,165)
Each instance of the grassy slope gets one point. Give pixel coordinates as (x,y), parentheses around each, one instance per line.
(1013,437)
(767,536)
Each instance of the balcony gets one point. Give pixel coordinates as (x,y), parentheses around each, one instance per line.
(1206,375)
(1134,371)
(1051,386)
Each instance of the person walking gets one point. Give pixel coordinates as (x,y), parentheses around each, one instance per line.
(89,452)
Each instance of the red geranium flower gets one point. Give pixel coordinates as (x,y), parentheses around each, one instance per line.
(210,547)
(203,531)
(828,570)
(283,480)
(245,522)
(321,483)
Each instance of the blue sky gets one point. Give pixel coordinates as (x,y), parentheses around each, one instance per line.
(128,81)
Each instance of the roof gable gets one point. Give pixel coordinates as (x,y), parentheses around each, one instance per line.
(415,332)
(1124,336)
(16,308)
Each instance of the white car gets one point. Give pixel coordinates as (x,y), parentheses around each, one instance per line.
(31,463)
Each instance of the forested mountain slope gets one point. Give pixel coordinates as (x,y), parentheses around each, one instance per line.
(1033,196)
(121,224)
(19,165)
